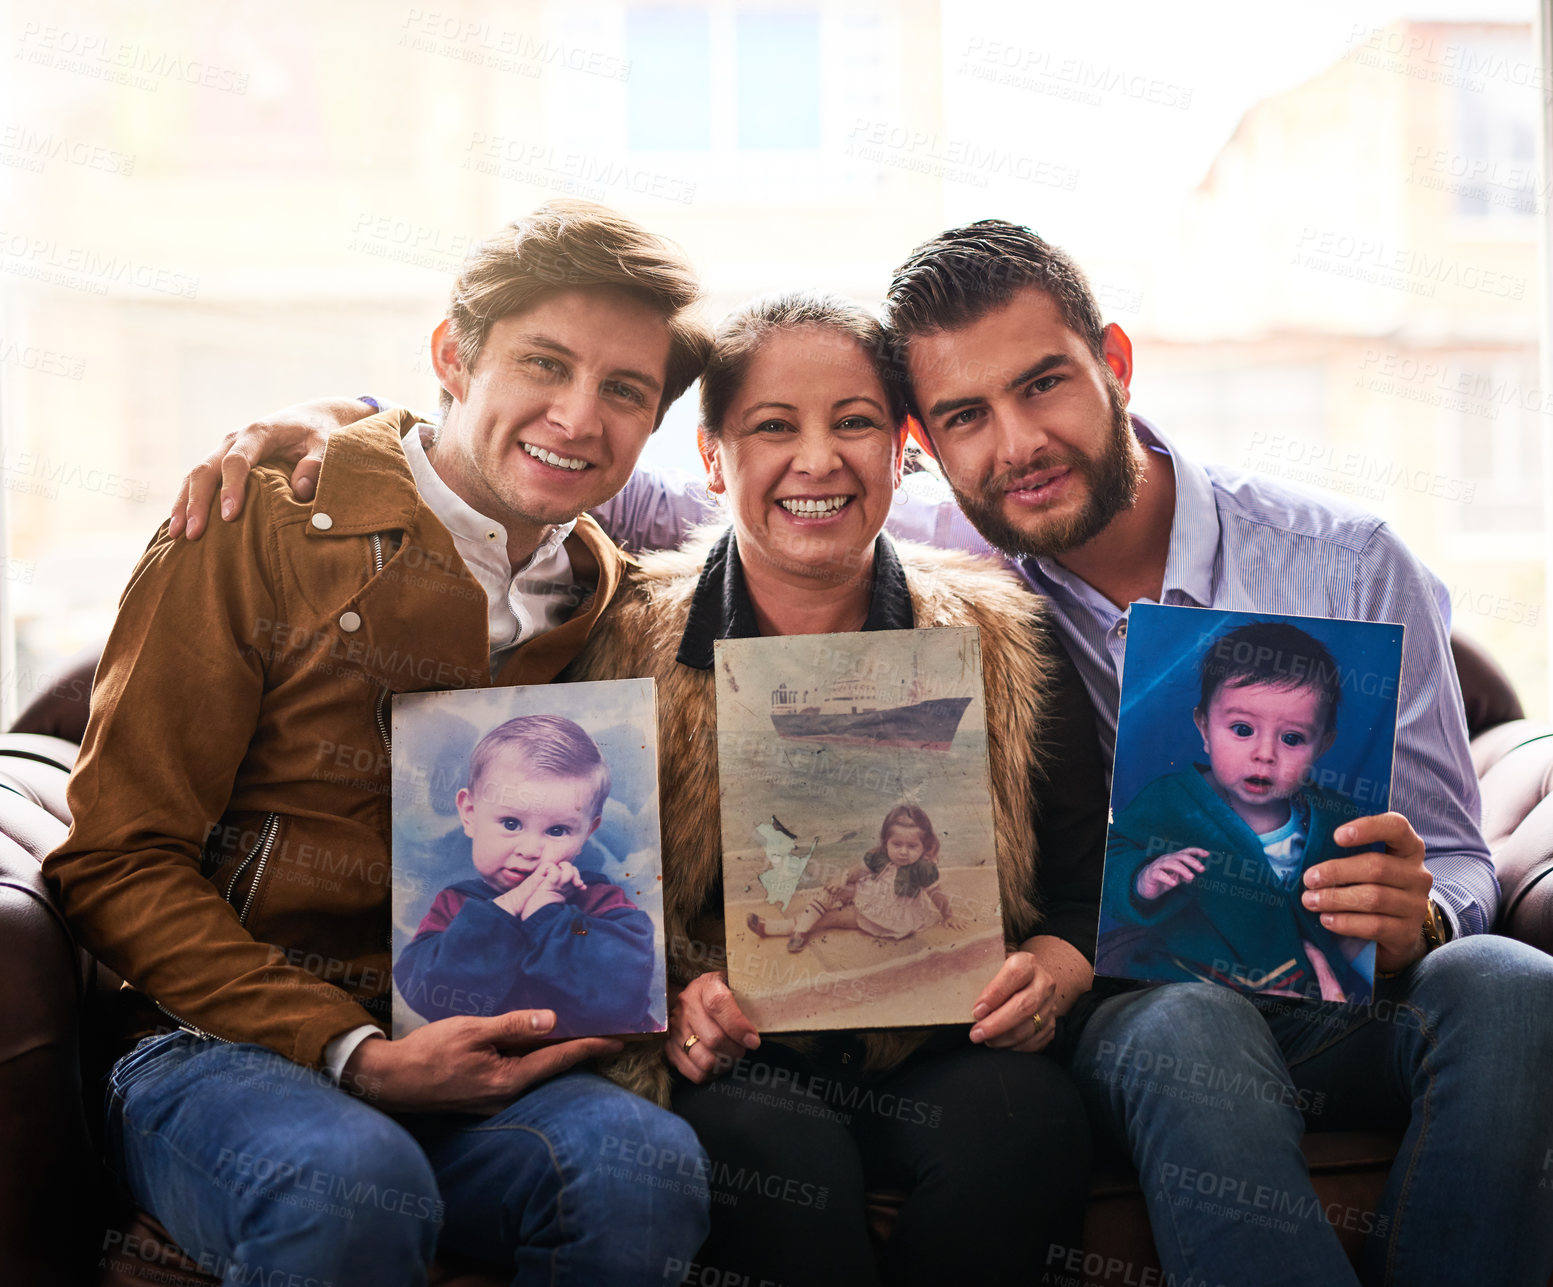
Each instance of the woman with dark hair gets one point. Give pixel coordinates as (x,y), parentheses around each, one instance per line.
(802,432)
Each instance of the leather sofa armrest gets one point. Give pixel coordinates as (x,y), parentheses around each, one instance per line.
(1525,866)
(1514,762)
(50,1190)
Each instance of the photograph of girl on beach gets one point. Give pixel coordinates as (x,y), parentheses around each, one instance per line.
(860,879)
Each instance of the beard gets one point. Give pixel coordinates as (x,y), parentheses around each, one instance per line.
(1112,478)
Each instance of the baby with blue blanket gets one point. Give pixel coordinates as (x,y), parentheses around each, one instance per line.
(1211,859)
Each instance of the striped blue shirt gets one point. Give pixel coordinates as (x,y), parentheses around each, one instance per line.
(1243,543)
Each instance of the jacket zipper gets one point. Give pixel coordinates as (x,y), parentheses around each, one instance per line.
(189,1027)
(382,698)
(382,701)
(266,843)
(261,853)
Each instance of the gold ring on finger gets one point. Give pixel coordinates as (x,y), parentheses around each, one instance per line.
(690,1041)
(1036,1020)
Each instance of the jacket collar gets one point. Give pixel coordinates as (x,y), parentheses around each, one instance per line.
(365,484)
(721,607)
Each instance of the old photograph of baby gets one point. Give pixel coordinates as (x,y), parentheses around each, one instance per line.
(859,876)
(1243,742)
(527,870)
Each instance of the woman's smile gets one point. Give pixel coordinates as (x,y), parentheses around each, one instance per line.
(812,509)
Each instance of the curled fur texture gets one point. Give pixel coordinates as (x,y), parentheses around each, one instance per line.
(639,635)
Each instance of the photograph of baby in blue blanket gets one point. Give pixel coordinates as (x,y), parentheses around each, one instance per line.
(1204,864)
(508,898)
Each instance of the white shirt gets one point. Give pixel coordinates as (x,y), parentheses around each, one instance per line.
(524,602)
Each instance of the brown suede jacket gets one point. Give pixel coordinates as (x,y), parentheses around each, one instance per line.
(229,855)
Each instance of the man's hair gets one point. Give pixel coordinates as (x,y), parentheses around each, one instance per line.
(963,274)
(742,334)
(1276,654)
(551,746)
(570,245)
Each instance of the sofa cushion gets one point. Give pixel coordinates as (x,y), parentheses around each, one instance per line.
(26,824)
(1486,691)
(63,701)
(1514,764)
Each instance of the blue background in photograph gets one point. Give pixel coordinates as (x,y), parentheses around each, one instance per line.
(1163,681)
(433,735)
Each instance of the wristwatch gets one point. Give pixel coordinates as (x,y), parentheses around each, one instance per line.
(1437,930)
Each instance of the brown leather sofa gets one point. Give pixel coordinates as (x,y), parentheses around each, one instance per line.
(61,1223)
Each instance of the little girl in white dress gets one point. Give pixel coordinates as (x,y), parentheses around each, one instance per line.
(892,893)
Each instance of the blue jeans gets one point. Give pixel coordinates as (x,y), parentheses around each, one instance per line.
(263,1171)
(1211,1093)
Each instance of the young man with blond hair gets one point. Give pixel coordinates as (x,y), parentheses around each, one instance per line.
(231,861)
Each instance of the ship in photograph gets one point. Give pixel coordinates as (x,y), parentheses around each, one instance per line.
(850,713)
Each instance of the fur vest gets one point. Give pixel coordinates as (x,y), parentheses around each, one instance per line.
(639,635)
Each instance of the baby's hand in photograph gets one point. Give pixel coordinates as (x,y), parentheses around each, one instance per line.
(539,888)
(550,884)
(1169,870)
(516,899)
